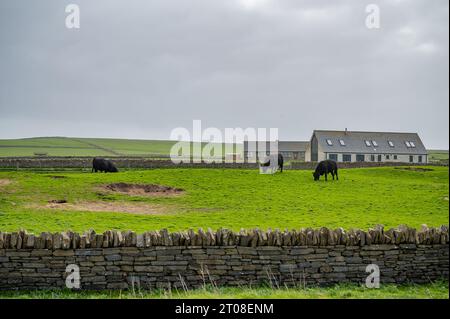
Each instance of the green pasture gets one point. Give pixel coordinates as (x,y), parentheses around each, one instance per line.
(438,155)
(67,146)
(228,198)
(73,146)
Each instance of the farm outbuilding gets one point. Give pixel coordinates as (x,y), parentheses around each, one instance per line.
(291,150)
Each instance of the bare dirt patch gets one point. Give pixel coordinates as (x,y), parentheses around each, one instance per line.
(57,176)
(5,182)
(118,207)
(143,189)
(57,201)
(416,169)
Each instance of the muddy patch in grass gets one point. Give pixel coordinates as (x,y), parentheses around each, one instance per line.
(57,201)
(117,207)
(143,189)
(5,182)
(57,176)
(416,169)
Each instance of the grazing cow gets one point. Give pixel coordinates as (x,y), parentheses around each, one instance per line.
(271,161)
(325,167)
(102,165)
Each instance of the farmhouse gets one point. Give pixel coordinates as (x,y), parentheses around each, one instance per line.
(354,146)
(291,150)
(345,146)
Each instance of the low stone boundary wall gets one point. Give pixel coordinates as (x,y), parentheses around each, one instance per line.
(312,165)
(120,162)
(149,163)
(159,259)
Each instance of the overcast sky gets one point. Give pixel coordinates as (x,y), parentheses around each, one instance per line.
(138,69)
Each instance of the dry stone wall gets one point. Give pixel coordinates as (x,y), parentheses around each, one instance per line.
(120,162)
(150,163)
(159,259)
(312,165)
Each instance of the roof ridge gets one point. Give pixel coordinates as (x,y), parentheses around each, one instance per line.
(343,131)
(278,141)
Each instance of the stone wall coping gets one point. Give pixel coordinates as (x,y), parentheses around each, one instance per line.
(298,239)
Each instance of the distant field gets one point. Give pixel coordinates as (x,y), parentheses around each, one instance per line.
(229,198)
(68,146)
(438,155)
(64,146)
(72,146)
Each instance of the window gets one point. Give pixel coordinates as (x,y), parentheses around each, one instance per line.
(374,143)
(411,158)
(360,157)
(372,158)
(346,157)
(412,144)
(395,157)
(342,142)
(387,157)
(391,144)
(367,143)
(407,144)
(379,158)
(333,157)
(420,158)
(329,142)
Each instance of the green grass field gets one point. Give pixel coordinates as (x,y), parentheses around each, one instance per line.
(65,146)
(438,155)
(230,198)
(437,290)
(72,146)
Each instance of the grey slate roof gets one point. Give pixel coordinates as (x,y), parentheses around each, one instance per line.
(355,142)
(283,146)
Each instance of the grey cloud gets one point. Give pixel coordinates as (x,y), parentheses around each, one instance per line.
(149,66)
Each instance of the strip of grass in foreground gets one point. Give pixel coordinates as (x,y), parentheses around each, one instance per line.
(436,290)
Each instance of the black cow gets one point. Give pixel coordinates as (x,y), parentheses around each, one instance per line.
(102,165)
(325,167)
(271,158)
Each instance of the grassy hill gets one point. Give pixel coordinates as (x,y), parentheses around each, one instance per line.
(72,146)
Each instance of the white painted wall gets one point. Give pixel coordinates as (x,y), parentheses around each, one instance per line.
(401,158)
(308,154)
